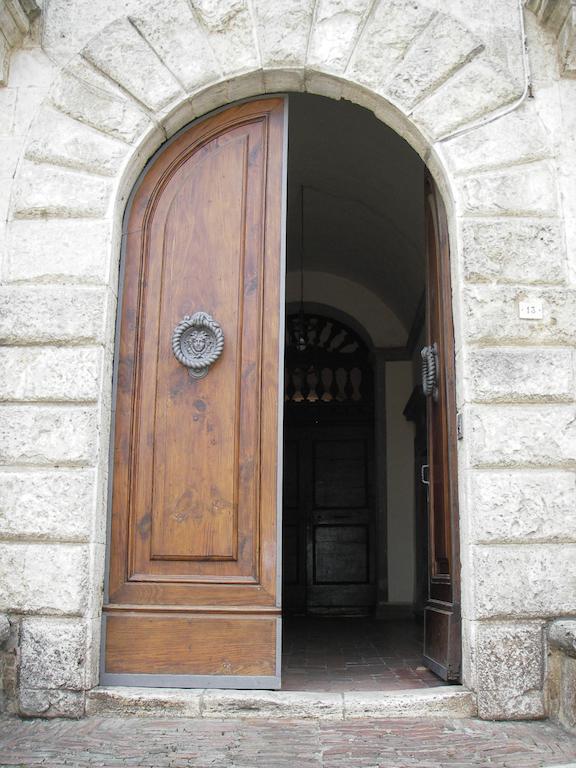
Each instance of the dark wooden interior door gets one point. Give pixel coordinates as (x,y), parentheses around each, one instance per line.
(442,638)
(192,597)
(328,520)
(329,538)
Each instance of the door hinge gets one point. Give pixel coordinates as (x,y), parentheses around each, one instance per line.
(459,426)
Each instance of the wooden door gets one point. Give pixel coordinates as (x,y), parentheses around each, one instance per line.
(442,642)
(328,520)
(192,595)
(329,507)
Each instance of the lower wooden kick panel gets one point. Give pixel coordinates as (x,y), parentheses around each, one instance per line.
(191,650)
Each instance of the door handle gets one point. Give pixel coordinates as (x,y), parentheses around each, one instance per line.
(425,474)
(429,357)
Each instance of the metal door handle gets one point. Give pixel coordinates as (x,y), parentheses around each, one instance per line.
(425,474)
(429,357)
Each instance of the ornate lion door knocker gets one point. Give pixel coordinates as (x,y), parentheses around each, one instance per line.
(197,342)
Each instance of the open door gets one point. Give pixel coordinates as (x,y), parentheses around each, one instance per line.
(192,590)
(442,641)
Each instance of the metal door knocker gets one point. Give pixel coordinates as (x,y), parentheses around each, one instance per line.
(197,342)
(430,371)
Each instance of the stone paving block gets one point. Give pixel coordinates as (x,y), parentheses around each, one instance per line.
(334,32)
(517,137)
(231,33)
(442,48)
(44,191)
(474,91)
(58,250)
(513,251)
(525,190)
(389,30)
(56,374)
(519,581)
(52,314)
(45,435)
(509,660)
(172,31)
(51,703)
(272,704)
(43,578)
(523,436)
(522,505)
(91,101)
(445,701)
(521,375)
(283,30)
(149,702)
(125,56)
(175,743)
(53,504)
(491,315)
(52,654)
(59,139)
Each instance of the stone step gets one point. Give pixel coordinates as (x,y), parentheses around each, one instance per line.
(445,701)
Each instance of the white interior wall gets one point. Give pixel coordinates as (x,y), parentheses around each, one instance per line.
(400,485)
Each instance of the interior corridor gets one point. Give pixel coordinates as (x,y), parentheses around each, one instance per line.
(353,654)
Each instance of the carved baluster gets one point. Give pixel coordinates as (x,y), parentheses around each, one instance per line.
(348,386)
(341,379)
(312,381)
(327,383)
(356,381)
(297,378)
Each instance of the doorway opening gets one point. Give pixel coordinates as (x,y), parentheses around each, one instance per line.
(194,533)
(355,538)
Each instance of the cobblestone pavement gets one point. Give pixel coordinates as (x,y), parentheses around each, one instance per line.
(177,743)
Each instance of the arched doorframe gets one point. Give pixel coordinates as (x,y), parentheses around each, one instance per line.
(130,172)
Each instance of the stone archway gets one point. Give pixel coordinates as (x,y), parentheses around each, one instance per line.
(133,85)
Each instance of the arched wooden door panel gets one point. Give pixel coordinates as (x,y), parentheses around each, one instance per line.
(442,638)
(192,597)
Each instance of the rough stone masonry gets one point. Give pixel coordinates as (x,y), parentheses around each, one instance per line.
(91,89)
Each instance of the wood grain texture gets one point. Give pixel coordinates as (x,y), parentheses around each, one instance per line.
(442,644)
(194,504)
(190,645)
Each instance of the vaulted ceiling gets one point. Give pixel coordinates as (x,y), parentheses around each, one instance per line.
(361,190)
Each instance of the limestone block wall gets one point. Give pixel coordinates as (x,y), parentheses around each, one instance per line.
(82,112)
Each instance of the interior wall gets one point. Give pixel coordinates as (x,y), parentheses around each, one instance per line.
(400,484)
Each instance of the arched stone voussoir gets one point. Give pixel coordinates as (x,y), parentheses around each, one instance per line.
(123,55)
(426,63)
(174,33)
(283,30)
(443,47)
(81,93)
(58,139)
(230,30)
(335,32)
(515,138)
(477,90)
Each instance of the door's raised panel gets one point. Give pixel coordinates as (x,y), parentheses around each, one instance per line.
(341,554)
(190,645)
(197,468)
(340,478)
(195,496)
